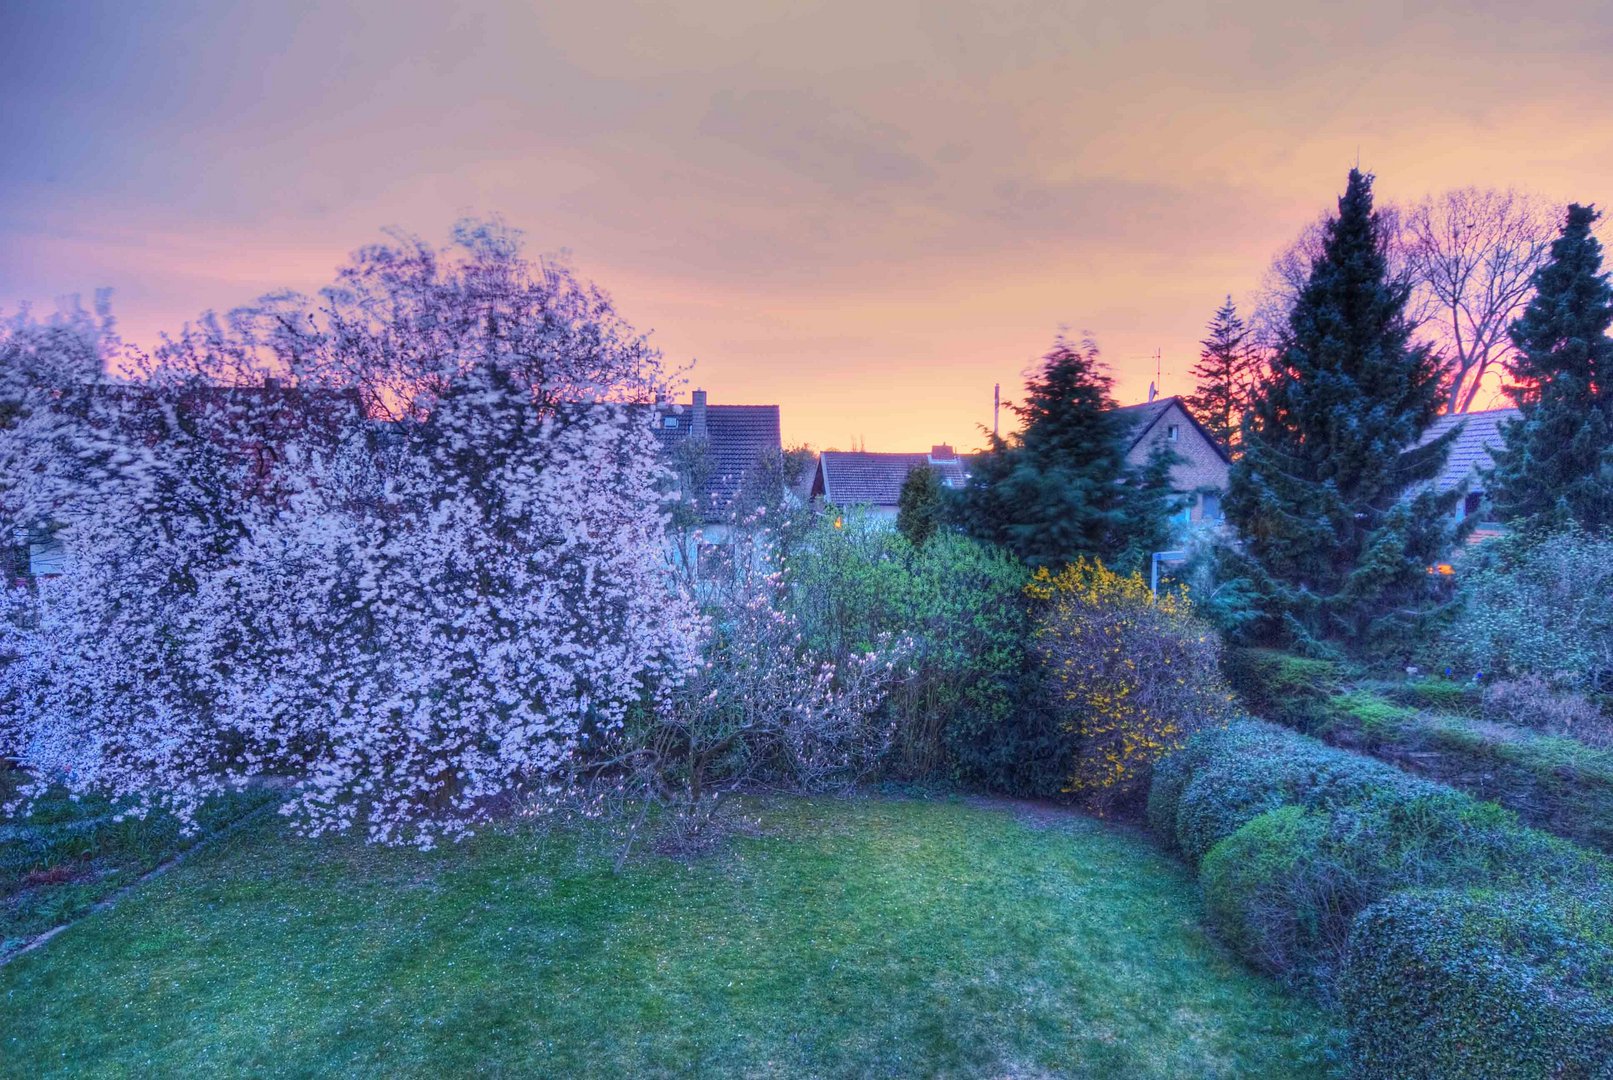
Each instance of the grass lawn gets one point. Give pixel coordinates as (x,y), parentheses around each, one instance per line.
(867,937)
(67,854)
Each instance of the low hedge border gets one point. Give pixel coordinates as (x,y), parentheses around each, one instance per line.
(1428,727)
(1294,840)
(1454,984)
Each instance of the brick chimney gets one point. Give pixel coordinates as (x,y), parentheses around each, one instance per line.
(943,452)
(697,424)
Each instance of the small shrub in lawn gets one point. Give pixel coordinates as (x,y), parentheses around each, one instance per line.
(1284,889)
(1132,673)
(1451,985)
(1293,690)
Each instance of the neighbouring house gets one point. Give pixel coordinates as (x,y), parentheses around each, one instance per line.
(1470,456)
(716,450)
(717,454)
(873,482)
(1200,474)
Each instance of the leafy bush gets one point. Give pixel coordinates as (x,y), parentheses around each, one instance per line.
(1542,607)
(1531,701)
(1294,690)
(1469,984)
(967,706)
(1284,888)
(1235,775)
(1132,675)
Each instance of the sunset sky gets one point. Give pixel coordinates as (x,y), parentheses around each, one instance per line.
(866,212)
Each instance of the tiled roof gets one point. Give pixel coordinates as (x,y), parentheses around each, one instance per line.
(737,437)
(1141,417)
(1481,433)
(848,478)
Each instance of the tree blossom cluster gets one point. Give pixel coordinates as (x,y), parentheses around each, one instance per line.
(403,545)
(763,708)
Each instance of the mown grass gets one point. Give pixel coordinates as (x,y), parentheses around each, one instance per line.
(67,854)
(866,937)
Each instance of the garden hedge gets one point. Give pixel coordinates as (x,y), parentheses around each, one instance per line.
(1284,889)
(1456,984)
(1294,839)
(1227,777)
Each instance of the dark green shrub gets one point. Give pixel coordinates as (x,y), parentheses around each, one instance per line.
(1284,889)
(1540,605)
(1254,767)
(1470,984)
(1292,690)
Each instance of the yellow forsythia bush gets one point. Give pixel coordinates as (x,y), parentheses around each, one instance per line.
(1132,676)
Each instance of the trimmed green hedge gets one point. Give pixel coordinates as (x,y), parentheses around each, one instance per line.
(1553,782)
(1295,840)
(1429,725)
(1436,695)
(1228,777)
(1284,889)
(1470,984)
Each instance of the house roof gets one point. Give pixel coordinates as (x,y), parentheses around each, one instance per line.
(1471,450)
(737,438)
(1143,416)
(856,478)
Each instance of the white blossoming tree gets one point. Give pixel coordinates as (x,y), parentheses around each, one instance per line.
(402,546)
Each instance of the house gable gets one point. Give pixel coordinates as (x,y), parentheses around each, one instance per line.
(1204,464)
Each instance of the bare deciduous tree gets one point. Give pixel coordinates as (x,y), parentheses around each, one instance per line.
(1469,255)
(1473,253)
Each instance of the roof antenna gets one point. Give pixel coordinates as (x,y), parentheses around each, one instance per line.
(1159,377)
(996,407)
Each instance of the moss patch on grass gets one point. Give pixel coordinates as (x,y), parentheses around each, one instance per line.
(872,937)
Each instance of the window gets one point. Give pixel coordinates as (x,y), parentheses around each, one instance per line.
(670,422)
(1173,432)
(1470,506)
(1210,506)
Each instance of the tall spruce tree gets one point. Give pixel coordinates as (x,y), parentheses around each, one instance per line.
(1557,463)
(1061,489)
(1228,368)
(1331,497)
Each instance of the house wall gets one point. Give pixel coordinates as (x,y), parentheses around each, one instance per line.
(1202,465)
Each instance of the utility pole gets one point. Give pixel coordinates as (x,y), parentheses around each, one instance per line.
(996,406)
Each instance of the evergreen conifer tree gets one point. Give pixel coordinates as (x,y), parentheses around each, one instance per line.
(920,505)
(1061,488)
(1557,463)
(1332,495)
(1225,375)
